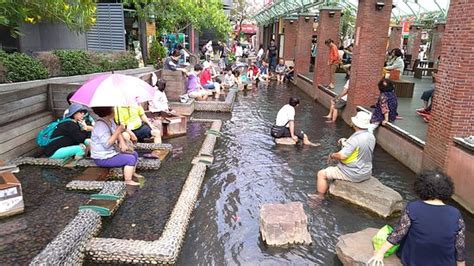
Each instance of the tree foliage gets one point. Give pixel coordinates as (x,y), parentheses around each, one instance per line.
(243,10)
(77,15)
(175,15)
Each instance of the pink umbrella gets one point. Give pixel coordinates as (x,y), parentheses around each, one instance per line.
(113,90)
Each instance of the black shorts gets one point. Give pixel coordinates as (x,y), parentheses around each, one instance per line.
(287,134)
(143,132)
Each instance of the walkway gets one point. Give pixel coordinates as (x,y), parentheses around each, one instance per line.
(411,121)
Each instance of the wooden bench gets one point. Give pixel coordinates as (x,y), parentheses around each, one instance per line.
(403,88)
(424,71)
(22,115)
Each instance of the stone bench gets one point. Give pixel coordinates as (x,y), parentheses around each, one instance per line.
(370,194)
(282,224)
(285,141)
(357,249)
(403,88)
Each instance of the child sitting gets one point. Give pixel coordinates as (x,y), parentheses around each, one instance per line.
(159,104)
(229,80)
(252,71)
(263,73)
(290,73)
(244,79)
(280,71)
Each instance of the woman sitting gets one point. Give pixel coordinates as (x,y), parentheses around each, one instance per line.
(339,102)
(69,137)
(386,107)
(395,63)
(134,118)
(159,104)
(429,231)
(109,148)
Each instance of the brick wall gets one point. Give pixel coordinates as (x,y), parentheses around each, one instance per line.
(453,100)
(290,32)
(303,44)
(436,42)
(414,42)
(328,28)
(395,38)
(369,53)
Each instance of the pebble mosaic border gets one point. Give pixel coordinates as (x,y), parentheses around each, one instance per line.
(143,163)
(225,106)
(68,247)
(166,249)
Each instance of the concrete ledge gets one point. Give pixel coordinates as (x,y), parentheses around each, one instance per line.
(459,165)
(183,108)
(217,106)
(166,249)
(70,79)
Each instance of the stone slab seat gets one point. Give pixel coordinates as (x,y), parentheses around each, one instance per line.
(285,141)
(370,194)
(357,249)
(282,224)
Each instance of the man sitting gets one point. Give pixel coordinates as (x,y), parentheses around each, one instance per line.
(355,157)
(134,118)
(286,121)
(172,62)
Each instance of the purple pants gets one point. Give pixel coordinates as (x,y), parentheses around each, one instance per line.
(119,160)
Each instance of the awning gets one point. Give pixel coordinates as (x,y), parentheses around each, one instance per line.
(247,28)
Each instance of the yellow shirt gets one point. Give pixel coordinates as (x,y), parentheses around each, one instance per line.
(129,116)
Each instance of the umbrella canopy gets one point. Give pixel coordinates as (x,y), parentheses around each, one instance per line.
(113,90)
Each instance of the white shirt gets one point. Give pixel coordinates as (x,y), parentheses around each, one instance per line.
(159,102)
(260,53)
(238,51)
(229,79)
(286,114)
(345,87)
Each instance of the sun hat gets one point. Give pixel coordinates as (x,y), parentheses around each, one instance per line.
(361,120)
(74,108)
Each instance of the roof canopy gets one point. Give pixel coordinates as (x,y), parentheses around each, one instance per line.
(417,9)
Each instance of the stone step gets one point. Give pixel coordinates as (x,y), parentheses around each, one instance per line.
(357,249)
(283,224)
(370,194)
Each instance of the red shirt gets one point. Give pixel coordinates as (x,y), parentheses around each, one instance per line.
(333,55)
(254,69)
(205,76)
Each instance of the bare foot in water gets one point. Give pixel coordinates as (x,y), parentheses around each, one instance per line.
(329,121)
(314,200)
(312,144)
(132,183)
(327,116)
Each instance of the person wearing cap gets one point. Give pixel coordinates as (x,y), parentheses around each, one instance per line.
(206,77)
(355,157)
(70,138)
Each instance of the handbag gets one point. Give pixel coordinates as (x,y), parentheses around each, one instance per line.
(278,131)
(379,239)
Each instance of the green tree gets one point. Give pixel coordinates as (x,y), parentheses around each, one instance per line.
(176,15)
(77,15)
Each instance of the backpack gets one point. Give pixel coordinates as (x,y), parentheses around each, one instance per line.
(44,136)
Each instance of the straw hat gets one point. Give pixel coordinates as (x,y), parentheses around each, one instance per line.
(361,120)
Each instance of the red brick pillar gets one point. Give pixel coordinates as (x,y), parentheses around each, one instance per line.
(453,100)
(414,41)
(303,44)
(368,56)
(395,40)
(328,28)
(437,41)
(290,31)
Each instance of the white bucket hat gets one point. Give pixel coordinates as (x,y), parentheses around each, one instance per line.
(361,120)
